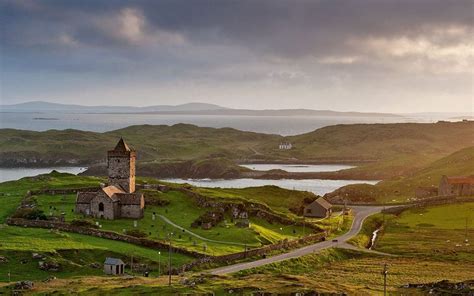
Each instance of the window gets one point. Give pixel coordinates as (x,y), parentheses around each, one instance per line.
(101,207)
(308,211)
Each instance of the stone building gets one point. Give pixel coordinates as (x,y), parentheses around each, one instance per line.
(319,208)
(118,199)
(456,186)
(113,266)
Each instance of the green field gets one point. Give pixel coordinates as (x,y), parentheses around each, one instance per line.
(436,232)
(222,239)
(73,251)
(182,211)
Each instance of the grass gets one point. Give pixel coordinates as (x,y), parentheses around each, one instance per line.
(278,199)
(12,192)
(436,233)
(397,149)
(74,251)
(260,232)
(400,189)
(330,271)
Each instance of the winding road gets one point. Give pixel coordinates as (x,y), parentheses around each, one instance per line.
(361,213)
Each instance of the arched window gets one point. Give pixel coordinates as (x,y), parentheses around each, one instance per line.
(101,207)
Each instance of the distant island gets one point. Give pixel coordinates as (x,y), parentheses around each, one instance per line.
(183,109)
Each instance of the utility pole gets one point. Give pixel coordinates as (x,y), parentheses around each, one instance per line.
(384,273)
(304,228)
(465,238)
(169,260)
(159,263)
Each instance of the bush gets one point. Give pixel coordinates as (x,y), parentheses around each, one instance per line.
(30,214)
(136,233)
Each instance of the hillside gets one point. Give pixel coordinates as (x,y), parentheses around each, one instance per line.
(460,163)
(382,150)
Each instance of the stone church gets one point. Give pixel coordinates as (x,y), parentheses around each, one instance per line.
(118,199)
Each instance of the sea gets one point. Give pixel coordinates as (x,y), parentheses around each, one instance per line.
(282,125)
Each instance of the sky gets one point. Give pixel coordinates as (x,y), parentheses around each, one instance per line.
(357,55)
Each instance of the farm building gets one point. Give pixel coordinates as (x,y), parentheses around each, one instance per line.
(456,186)
(113,266)
(118,199)
(319,208)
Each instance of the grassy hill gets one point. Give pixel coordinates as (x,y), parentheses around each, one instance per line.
(382,150)
(399,189)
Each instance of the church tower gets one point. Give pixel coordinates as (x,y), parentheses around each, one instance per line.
(121,167)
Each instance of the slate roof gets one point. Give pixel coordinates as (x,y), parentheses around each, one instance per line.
(122,146)
(461,180)
(322,202)
(113,261)
(85,197)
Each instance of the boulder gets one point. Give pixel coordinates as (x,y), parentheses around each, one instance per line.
(3,259)
(24,285)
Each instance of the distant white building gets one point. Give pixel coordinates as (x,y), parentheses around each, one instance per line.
(285,146)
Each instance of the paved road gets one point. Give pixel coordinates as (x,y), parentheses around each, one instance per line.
(361,212)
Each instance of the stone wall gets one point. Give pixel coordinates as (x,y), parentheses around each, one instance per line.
(131,211)
(63,191)
(245,208)
(100,233)
(202,258)
(228,259)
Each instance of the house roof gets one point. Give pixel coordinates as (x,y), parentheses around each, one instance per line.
(461,180)
(122,146)
(111,190)
(321,202)
(113,261)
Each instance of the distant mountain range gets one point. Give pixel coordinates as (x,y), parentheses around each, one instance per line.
(190,108)
(40,106)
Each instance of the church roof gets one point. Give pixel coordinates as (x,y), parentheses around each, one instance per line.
(122,146)
(111,190)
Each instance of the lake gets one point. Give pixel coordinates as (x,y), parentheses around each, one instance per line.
(10,174)
(298,168)
(316,186)
(282,125)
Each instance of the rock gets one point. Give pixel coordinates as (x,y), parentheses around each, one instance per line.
(49,279)
(24,285)
(95,265)
(37,256)
(3,260)
(49,265)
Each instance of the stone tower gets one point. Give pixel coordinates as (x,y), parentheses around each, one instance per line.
(121,167)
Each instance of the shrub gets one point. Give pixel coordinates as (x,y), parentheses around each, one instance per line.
(30,214)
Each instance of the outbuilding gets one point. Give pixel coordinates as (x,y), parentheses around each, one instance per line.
(113,266)
(320,208)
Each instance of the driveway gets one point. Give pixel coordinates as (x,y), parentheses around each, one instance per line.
(361,212)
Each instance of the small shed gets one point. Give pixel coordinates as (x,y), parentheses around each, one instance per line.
(113,266)
(320,208)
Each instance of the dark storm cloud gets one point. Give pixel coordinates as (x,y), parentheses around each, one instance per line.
(210,49)
(283,28)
